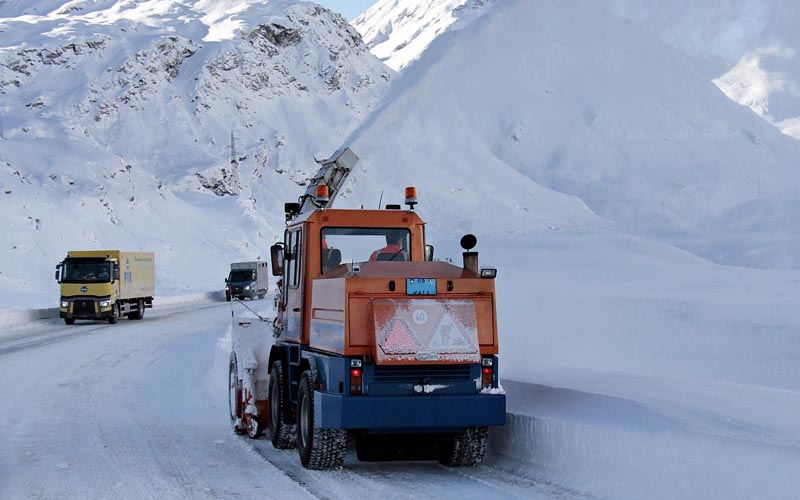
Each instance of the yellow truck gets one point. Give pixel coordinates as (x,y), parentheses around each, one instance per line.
(105,284)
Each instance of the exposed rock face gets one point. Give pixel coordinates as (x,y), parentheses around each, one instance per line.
(160,86)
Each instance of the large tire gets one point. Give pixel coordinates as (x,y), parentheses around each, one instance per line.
(139,312)
(466,449)
(227,297)
(235,396)
(282,432)
(114,314)
(69,321)
(320,449)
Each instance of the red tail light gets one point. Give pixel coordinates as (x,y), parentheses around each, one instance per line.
(355,380)
(487,377)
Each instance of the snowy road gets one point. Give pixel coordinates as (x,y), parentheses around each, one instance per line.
(138,410)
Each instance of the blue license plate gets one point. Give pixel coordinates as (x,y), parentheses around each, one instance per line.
(420,286)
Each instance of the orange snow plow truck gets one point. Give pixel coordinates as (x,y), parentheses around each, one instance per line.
(373,339)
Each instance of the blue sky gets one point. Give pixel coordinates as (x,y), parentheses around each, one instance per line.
(348,8)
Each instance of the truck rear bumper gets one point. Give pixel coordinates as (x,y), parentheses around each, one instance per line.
(408,413)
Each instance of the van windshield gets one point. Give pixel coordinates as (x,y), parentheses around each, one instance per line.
(242,275)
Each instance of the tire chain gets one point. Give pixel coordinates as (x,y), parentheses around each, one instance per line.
(467,448)
(287,432)
(329,445)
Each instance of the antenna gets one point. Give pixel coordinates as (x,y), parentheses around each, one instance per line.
(380,200)
(233,149)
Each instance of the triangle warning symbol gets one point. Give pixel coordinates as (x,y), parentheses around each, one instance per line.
(399,339)
(449,338)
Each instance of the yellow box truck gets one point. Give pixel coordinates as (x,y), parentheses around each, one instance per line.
(105,284)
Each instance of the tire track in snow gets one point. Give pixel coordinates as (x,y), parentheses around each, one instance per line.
(406,480)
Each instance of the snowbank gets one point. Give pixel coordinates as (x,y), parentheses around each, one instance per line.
(620,448)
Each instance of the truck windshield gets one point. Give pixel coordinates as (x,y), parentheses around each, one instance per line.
(86,271)
(357,244)
(242,275)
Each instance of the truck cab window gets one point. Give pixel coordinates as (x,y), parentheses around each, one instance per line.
(293,269)
(359,244)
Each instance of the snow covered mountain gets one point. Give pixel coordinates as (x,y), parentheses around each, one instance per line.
(592,105)
(749,49)
(399,31)
(177,127)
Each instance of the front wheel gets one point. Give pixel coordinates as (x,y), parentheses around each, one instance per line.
(320,449)
(69,321)
(281,431)
(114,314)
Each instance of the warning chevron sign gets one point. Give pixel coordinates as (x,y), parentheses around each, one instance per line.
(425,330)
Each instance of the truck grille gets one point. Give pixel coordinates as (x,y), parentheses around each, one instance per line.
(415,374)
(83,307)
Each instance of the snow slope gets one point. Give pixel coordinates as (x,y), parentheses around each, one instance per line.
(595,107)
(749,48)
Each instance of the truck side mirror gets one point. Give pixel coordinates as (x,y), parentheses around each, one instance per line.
(429,253)
(276,252)
(58,273)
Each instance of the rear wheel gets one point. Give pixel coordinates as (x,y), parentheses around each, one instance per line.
(319,449)
(281,431)
(465,449)
(140,307)
(69,321)
(139,312)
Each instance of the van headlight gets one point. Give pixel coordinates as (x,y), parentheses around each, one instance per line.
(247,287)
(64,304)
(105,303)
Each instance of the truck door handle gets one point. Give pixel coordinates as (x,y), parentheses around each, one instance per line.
(296,309)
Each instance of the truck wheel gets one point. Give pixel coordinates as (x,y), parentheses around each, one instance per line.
(320,449)
(466,449)
(227,297)
(114,314)
(69,321)
(234,396)
(281,431)
(139,312)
